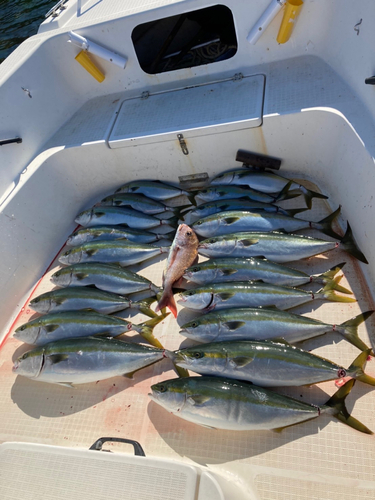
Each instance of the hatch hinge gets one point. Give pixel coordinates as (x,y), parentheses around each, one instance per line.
(237,77)
(183,145)
(53,12)
(145,94)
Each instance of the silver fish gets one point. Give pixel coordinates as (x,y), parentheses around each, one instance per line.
(122,252)
(84,360)
(213,193)
(98,233)
(267,363)
(138,202)
(232,221)
(78,298)
(264,181)
(156,190)
(279,247)
(253,294)
(72,324)
(108,277)
(257,268)
(214,207)
(222,403)
(124,216)
(263,323)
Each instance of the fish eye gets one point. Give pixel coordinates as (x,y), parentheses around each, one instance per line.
(194,324)
(162,388)
(199,223)
(191,293)
(212,241)
(36,300)
(68,252)
(22,328)
(196,269)
(57,273)
(198,355)
(189,233)
(25,356)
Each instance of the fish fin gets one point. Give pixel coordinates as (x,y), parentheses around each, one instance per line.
(167,300)
(241,361)
(59,300)
(209,427)
(309,195)
(81,276)
(337,402)
(51,328)
(172,222)
(181,372)
(329,292)
(349,330)
(228,272)
(285,193)
(226,295)
(91,252)
(358,366)
(144,306)
(246,242)
(129,375)
(178,210)
(325,225)
(234,325)
(66,384)
(328,276)
(231,220)
(191,198)
(146,330)
(280,429)
(349,244)
(197,399)
(57,358)
(294,211)
(99,214)
(333,284)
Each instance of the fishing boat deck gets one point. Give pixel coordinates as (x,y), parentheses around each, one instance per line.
(310,460)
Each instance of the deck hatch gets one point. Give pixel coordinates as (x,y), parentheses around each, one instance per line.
(233,103)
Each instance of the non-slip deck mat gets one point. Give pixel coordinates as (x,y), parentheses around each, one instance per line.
(296,464)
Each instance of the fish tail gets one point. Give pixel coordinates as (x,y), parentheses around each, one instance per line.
(294,211)
(337,403)
(146,330)
(286,194)
(191,198)
(144,306)
(349,244)
(328,276)
(167,300)
(182,372)
(177,210)
(357,368)
(309,195)
(172,222)
(329,292)
(349,330)
(325,225)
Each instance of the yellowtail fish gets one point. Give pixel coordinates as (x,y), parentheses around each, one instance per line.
(222,403)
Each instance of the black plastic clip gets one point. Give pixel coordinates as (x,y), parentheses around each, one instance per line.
(16,140)
(256,160)
(370,81)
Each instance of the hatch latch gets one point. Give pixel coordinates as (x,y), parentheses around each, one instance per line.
(183,145)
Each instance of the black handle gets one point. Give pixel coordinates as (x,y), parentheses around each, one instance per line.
(257,160)
(16,140)
(98,445)
(370,80)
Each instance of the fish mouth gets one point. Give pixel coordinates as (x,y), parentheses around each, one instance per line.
(187,275)
(16,365)
(182,299)
(202,245)
(184,332)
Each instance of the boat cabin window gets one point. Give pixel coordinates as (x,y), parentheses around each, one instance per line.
(190,39)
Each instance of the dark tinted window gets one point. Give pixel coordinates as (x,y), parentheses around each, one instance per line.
(190,39)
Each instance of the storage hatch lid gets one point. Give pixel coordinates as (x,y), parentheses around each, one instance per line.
(33,471)
(235,103)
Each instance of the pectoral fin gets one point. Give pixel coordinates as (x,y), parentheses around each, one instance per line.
(231,220)
(66,384)
(81,276)
(51,328)
(226,295)
(57,358)
(234,325)
(241,361)
(246,242)
(197,399)
(228,272)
